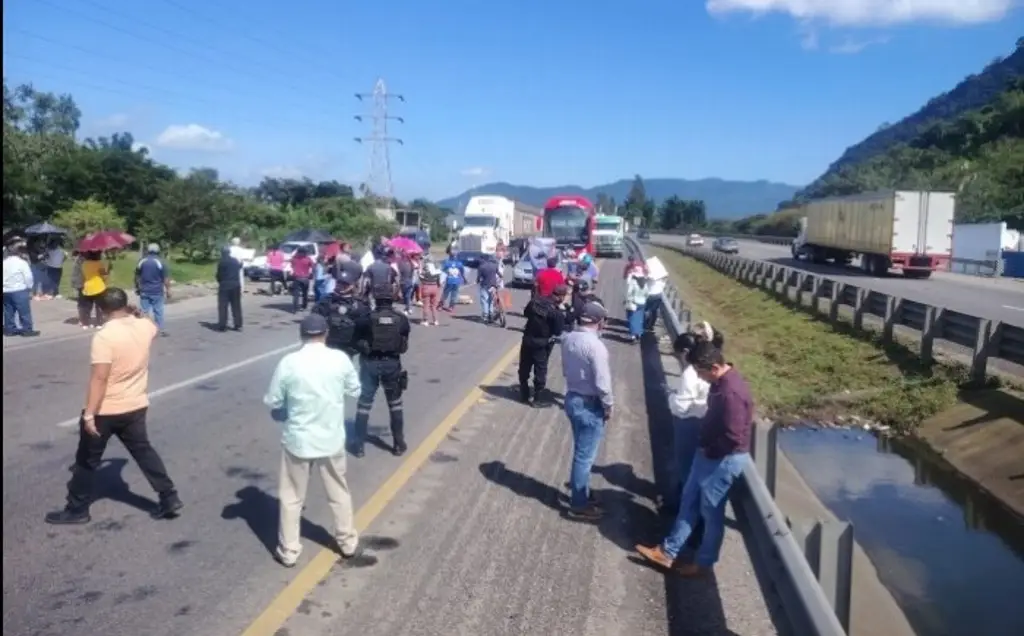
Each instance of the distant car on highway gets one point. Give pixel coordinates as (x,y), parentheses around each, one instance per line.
(643,235)
(726,245)
(695,240)
(522,273)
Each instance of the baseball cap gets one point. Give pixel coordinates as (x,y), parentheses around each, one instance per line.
(313,325)
(153,248)
(593,313)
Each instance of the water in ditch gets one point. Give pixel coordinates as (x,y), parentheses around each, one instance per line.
(951,556)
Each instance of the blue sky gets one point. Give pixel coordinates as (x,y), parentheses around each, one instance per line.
(535,92)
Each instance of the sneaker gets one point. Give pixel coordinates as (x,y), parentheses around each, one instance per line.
(589,512)
(168,508)
(68,517)
(436,323)
(283,560)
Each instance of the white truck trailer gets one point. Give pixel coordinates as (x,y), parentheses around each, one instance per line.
(907,230)
(489,219)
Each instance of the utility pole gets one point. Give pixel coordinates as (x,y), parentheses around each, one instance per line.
(378,185)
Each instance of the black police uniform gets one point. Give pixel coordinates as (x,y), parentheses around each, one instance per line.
(545,320)
(382,341)
(346,314)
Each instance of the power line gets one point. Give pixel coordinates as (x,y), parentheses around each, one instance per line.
(121,60)
(177,36)
(174,94)
(252,38)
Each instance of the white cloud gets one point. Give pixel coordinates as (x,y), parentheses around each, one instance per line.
(117,120)
(850,46)
(282,172)
(194,137)
(872,12)
(474,172)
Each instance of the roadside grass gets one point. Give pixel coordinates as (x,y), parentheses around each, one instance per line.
(801,367)
(122,275)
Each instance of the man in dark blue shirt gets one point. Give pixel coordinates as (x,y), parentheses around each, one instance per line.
(487,276)
(153,285)
(229,291)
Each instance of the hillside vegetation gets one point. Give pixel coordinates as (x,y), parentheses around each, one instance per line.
(973,93)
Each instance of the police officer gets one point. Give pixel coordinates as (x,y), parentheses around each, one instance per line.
(383,341)
(381,275)
(545,321)
(347,314)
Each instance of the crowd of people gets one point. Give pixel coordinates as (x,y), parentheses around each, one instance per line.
(353,340)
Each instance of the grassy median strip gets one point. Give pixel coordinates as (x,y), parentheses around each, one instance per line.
(801,367)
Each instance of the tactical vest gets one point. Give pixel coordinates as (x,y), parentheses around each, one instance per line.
(341,324)
(385,325)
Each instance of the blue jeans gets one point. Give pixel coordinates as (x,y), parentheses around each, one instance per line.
(586,416)
(407,295)
(40,278)
(17,312)
(651,311)
(635,319)
(486,306)
(450,297)
(704,497)
(153,304)
(685,440)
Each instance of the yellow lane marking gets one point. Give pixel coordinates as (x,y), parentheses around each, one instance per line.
(288,601)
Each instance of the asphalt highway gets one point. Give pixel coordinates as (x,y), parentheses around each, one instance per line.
(998,299)
(209,571)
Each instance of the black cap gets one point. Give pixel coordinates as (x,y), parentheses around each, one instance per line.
(593,313)
(313,325)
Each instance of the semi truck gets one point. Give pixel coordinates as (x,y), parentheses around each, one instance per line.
(610,236)
(489,219)
(911,231)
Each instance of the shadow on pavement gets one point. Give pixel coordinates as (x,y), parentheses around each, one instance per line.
(260,512)
(110,484)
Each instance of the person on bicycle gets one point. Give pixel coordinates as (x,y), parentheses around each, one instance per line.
(487,277)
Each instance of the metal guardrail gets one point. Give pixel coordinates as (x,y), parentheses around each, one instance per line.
(966,266)
(984,338)
(808,565)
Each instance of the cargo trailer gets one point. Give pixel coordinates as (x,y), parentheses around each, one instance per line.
(911,231)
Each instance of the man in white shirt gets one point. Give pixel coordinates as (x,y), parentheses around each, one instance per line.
(53,263)
(18,283)
(307,394)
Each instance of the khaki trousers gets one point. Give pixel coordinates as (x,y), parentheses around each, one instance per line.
(294,482)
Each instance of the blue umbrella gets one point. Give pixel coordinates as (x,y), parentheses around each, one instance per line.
(40,229)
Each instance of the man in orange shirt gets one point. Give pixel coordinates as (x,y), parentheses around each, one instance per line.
(116,404)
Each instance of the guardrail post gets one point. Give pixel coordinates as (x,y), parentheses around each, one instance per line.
(860,305)
(932,316)
(893,305)
(787,281)
(817,287)
(801,282)
(765,452)
(979,360)
(835,562)
(833,307)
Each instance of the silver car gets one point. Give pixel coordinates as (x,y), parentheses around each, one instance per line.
(522,273)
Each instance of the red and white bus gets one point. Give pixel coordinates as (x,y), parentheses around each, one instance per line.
(570,220)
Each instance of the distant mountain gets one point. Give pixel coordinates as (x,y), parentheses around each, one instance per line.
(724,199)
(974,92)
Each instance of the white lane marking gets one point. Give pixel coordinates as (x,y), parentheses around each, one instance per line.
(1013,308)
(199,378)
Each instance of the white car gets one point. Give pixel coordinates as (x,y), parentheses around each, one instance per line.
(695,240)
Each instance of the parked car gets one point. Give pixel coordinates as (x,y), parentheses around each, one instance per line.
(695,240)
(726,245)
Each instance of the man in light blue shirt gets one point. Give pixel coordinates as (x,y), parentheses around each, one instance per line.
(307,395)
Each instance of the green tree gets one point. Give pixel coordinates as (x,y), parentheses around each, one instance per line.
(84,217)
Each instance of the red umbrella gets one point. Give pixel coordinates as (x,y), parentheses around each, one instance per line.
(105,240)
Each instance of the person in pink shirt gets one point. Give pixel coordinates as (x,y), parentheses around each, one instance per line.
(302,273)
(275,263)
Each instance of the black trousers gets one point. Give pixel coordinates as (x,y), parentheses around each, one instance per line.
(651,311)
(300,293)
(374,373)
(533,357)
(230,297)
(130,428)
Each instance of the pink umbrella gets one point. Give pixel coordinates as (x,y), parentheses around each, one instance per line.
(406,245)
(105,240)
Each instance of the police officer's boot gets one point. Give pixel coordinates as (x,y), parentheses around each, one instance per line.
(542,398)
(524,393)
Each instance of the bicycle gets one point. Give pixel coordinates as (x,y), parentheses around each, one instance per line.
(497,307)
